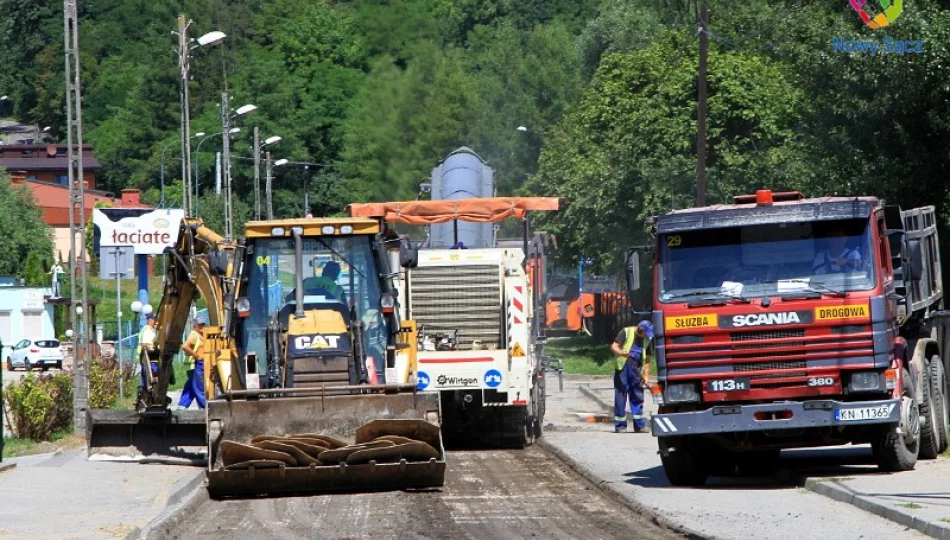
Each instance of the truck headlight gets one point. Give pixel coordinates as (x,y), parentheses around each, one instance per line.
(681,393)
(866,381)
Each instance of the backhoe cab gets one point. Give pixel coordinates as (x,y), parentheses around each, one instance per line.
(320,352)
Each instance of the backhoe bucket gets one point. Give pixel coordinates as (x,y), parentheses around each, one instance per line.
(352,419)
(128,435)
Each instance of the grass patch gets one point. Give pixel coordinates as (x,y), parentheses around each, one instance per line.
(912,506)
(61,440)
(581,355)
(181,375)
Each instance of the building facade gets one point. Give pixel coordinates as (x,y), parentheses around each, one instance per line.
(25,313)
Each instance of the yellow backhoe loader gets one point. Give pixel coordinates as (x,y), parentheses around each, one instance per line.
(310,375)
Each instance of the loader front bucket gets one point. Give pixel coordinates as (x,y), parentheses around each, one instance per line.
(128,435)
(352,419)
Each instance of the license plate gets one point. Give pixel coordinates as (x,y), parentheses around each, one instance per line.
(863,413)
(728,385)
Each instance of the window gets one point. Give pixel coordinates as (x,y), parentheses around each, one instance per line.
(31,177)
(61,179)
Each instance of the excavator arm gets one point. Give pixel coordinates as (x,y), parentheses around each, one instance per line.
(202,263)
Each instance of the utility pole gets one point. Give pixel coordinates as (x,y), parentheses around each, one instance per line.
(77,217)
(306,190)
(257,173)
(701,113)
(226,149)
(183,53)
(270,176)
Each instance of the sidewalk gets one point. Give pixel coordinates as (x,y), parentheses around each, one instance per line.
(918,499)
(63,495)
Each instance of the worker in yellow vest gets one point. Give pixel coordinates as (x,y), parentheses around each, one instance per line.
(631,347)
(147,338)
(194,389)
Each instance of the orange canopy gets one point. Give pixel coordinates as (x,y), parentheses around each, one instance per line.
(487,210)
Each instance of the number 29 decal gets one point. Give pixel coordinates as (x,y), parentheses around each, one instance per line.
(674,241)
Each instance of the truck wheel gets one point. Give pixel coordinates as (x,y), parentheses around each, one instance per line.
(682,463)
(940,403)
(893,451)
(929,435)
(757,463)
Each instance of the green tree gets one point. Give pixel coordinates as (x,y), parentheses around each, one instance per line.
(25,234)
(626,152)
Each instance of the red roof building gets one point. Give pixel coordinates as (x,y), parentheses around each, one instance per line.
(53,200)
(47,162)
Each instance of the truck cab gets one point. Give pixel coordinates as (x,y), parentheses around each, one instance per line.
(786,322)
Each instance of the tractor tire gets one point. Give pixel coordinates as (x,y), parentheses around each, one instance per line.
(893,451)
(941,403)
(683,464)
(929,411)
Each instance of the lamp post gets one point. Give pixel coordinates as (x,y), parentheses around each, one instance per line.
(270,176)
(258,147)
(197,153)
(581,263)
(185,46)
(226,117)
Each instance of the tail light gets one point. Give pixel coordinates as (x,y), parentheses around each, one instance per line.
(34,350)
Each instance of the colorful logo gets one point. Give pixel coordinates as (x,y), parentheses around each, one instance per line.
(891,11)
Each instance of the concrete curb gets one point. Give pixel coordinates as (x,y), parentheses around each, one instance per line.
(842,493)
(607,489)
(7,466)
(591,395)
(180,504)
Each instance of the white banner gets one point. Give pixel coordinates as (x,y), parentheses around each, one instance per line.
(148,233)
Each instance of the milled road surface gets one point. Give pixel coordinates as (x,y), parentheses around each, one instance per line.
(488,494)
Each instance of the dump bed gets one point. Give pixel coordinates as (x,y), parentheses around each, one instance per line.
(920,225)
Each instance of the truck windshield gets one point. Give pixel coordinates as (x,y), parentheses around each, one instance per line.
(757,260)
(338,271)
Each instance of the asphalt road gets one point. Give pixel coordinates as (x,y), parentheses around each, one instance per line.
(488,494)
(733,508)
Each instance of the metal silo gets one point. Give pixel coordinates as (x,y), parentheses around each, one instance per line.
(462,175)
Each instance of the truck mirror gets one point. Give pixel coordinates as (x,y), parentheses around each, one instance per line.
(632,266)
(915,261)
(408,254)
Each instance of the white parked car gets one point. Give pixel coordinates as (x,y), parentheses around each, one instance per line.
(41,353)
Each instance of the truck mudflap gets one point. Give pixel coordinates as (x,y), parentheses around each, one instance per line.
(772,416)
(350,418)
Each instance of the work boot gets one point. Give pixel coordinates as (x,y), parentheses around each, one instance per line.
(620,429)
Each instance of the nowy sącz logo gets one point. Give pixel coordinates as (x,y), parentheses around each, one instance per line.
(876,19)
(891,10)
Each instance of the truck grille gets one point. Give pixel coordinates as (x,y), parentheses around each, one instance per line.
(466,298)
(766,334)
(791,355)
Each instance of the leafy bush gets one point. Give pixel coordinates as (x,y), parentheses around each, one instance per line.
(104,382)
(38,406)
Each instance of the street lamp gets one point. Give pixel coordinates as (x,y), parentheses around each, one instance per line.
(581,263)
(269,187)
(185,46)
(226,117)
(258,147)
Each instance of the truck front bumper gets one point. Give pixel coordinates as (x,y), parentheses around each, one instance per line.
(775,416)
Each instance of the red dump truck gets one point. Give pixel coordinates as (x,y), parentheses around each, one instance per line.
(786,322)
